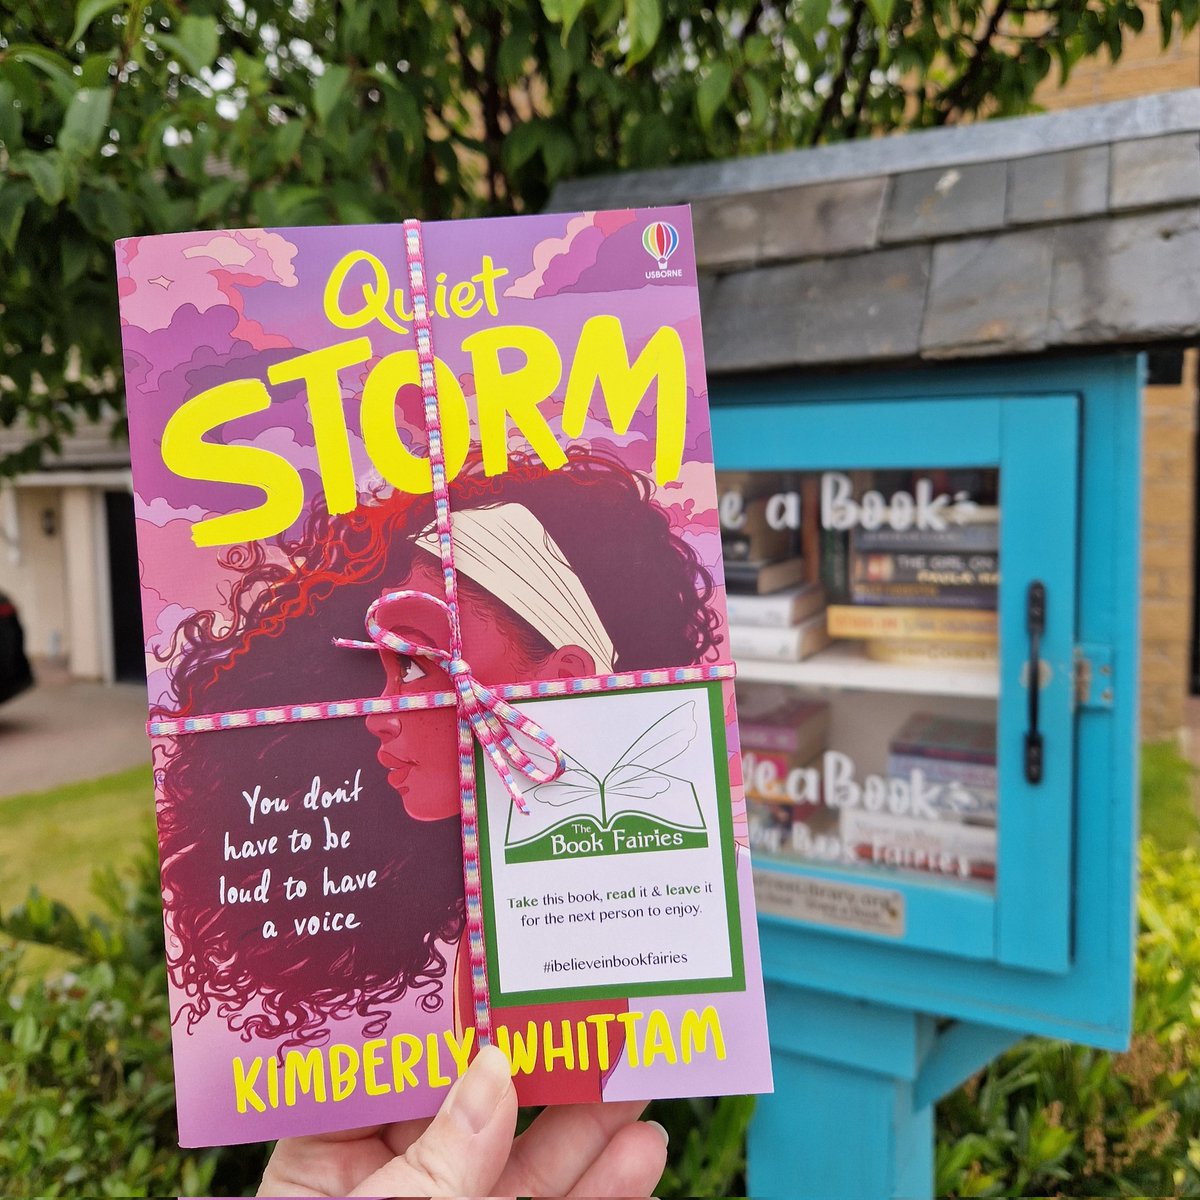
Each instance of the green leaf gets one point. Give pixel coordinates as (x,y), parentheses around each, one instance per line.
(56,68)
(328,89)
(881,10)
(644,21)
(515,51)
(195,44)
(14,196)
(712,92)
(45,171)
(558,153)
(564,13)
(86,123)
(286,141)
(522,144)
(760,104)
(86,12)
(813,16)
(10,117)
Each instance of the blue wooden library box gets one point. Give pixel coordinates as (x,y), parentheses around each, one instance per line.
(942,795)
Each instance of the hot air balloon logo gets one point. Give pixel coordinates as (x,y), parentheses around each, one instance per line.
(661,241)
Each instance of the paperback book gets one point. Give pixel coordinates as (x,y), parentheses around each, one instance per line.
(307,765)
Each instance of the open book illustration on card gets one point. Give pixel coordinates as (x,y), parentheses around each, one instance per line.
(635,805)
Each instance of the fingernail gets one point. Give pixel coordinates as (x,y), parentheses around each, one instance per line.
(478,1093)
(666,1137)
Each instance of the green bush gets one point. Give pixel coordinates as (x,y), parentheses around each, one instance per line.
(1049,1117)
(87,1105)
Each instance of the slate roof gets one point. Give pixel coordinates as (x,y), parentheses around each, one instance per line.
(1034,234)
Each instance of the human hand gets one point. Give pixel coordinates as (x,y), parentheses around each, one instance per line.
(468,1149)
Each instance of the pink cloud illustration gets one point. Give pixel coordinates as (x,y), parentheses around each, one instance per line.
(158,276)
(559,262)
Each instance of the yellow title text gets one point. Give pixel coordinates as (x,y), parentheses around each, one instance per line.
(506,396)
(330,1074)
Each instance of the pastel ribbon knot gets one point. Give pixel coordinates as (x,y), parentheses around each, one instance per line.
(491,718)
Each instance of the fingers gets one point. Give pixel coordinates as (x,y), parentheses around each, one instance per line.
(630,1165)
(551,1155)
(327,1164)
(466,1145)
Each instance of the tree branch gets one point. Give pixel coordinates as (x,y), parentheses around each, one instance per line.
(833,101)
(956,94)
(870,61)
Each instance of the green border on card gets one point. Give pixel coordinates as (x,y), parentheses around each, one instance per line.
(735,981)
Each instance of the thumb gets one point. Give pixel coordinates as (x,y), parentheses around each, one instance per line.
(466,1145)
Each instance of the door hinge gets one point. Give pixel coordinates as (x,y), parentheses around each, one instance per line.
(1093,676)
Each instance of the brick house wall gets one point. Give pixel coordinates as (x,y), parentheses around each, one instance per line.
(1169,431)
(1168,539)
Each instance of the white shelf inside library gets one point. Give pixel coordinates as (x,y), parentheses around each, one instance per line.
(844,664)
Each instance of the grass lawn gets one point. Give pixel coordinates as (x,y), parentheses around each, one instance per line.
(1168,810)
(56,839)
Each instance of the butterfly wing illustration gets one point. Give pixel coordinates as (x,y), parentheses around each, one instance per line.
(637,774)
(574,786)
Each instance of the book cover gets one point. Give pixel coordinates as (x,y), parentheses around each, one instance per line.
(763,578)
(920,652)
(905,594)
(927,735)
(777,611)
(944,570)
(939,847)
(981,537)
(781,645)
(954,790)
(774,716)
(307,764)
(948,624)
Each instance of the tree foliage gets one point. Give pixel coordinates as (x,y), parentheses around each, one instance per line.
(129,117)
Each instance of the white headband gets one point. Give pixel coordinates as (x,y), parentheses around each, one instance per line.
(507,551)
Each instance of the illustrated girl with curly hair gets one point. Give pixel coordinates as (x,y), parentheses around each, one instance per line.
(561,574)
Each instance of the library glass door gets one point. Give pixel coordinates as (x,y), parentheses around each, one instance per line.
(901,591)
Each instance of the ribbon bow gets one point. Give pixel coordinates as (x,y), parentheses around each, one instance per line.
(491,718)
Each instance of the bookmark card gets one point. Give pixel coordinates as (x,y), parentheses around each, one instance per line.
(441,703)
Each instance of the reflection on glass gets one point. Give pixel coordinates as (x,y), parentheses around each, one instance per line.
(862,609)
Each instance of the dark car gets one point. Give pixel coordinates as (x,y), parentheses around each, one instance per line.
(15,673)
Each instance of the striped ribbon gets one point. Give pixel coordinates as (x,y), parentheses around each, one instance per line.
(483,711)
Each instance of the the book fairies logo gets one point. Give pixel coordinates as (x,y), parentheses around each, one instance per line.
(661,240)
(634,806)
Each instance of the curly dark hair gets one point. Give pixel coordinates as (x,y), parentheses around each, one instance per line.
(289,600)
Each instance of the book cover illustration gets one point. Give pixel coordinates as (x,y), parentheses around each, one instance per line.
(636,804)
(312,869)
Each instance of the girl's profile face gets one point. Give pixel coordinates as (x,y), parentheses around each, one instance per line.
(419,750)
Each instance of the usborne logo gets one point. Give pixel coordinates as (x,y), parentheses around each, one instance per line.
(635,806)
(661,240)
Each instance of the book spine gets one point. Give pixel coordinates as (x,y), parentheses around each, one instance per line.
(771,612)
(954,754)
(761,612)
(786,645)
(947,847)
(982,538)
(835,563)
(944,570)
(916,652)
(783,644)
(959,624)
(792,738)
(921,595)
(978,776)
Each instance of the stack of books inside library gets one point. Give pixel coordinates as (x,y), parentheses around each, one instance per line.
(863,619)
